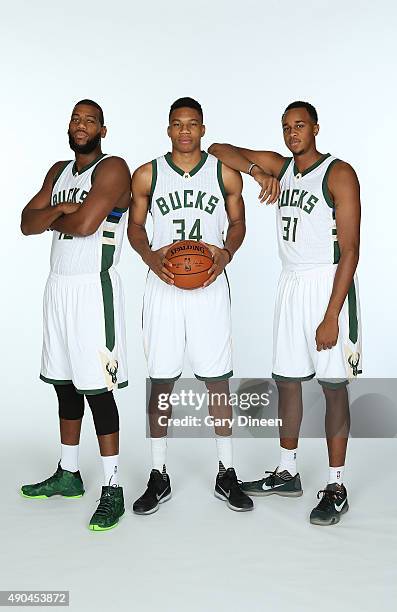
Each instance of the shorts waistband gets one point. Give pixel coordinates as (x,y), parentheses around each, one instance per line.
(81,279)
(321,270)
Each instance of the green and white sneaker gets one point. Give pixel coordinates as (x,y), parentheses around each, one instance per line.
(67,484)
(277,483)
(110,509)
(332,505)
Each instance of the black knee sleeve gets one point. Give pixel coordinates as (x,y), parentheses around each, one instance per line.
(71,403)
(104,412)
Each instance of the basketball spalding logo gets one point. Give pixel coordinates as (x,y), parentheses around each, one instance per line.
(191,261)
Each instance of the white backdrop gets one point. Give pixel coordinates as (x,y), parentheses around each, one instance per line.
(244,62)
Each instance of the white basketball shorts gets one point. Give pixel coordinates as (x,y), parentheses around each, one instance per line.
(301,302)
(84,339)
(198,320)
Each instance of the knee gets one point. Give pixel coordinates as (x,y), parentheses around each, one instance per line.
(217,386)
(288,386)
(70,403)
(159,396)
(104,412)
(334,393)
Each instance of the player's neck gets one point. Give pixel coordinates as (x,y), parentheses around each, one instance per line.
(305,160)
(85,159)
(186,161)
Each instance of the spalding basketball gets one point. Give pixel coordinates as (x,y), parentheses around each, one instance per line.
(191,261)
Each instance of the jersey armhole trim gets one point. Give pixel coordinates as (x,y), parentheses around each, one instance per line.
(220,178)
(154,181)
(326,193)
(284,168)
(95,169)
(58,174)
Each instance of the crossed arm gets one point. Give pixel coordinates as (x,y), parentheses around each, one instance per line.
(111,187)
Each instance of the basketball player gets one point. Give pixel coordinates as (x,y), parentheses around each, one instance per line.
(84,351)
(317,324)
(190,195)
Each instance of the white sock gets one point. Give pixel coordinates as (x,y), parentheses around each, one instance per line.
(70,457)
(288,461)
(336,475)
(110,470)
(159,453)
(224,448)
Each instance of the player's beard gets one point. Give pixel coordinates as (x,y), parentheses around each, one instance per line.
(88,147)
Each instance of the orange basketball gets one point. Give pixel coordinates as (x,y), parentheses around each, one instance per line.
(191,261)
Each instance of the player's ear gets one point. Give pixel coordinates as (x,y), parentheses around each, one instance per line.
(104,131)
(316,129)
(168,131)
(202,130)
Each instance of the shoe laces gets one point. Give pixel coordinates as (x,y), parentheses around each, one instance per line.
(327,499)
(105,504)
(271,479)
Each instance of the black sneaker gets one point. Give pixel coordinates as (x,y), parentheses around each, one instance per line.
(331,506)
(158,491)
(227,488)
(277,483)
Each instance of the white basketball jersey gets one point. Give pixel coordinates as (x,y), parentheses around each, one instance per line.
(187,206)
(306,227)
(88,254)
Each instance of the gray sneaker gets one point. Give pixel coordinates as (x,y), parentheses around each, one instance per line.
(275,484)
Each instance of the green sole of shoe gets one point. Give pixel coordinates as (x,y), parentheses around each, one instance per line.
(98,528)
(49,496)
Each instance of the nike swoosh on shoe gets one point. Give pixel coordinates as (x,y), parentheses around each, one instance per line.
(224,492)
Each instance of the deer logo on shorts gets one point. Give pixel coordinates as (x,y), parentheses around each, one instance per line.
(353,361)
(112,370)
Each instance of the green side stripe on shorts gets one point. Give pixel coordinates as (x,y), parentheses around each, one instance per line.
(107,294)
(108,309)
(353,321)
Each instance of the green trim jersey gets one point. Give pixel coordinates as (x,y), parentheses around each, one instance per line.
(97,252)
(187,206)
(306,227)
(309,250)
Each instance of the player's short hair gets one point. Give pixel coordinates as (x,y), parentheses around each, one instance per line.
(309,107)
(186,103)
(93,103)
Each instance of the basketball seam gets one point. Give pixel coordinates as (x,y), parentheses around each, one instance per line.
(191,273)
